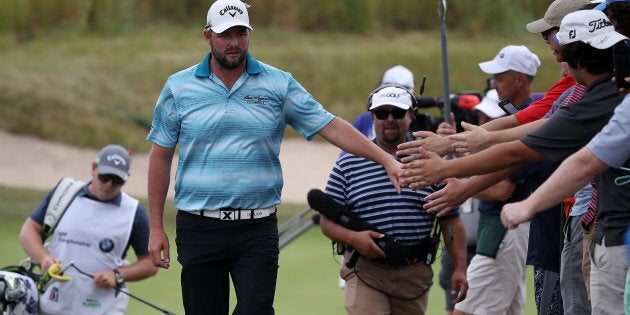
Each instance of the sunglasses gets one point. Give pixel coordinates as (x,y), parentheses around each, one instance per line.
(545,34)
(104,178)
(382,114)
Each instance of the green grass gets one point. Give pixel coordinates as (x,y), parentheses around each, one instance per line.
(307,279)
(103,89)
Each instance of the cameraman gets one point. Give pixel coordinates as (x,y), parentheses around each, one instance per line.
(397,75)
(376,284)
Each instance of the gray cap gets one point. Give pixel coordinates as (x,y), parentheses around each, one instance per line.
(115,160)
(554,14)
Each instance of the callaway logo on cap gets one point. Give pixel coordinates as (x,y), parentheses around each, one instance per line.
(224,14)
(114,159)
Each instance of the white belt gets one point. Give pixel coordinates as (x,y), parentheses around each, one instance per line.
(237,214)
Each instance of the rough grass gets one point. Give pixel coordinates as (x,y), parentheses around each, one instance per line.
(91,90)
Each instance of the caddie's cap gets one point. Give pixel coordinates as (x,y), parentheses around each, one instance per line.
(224,14)
(490,105)
(554,14)
(604,4)
(589,26)
(114,160)
(516,58)
(391,95)
(398,75)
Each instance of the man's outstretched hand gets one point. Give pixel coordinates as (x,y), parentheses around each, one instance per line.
(516,213)
(472,140)
(427,140)
(421,170)
(446,199)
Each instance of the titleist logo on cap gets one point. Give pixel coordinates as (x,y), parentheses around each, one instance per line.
(598,24)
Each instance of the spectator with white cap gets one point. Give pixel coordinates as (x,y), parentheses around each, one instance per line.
(513,70)
(489,108)
(587,51)
(571,269)
(500,261)
(399,75)
(500,130)
(607,265)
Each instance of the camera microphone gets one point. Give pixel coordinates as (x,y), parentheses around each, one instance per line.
(340,214)
(428,102)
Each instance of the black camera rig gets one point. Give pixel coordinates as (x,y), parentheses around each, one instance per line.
(461,106)
(396,253)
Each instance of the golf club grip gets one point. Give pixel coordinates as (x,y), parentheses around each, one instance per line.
(352,260)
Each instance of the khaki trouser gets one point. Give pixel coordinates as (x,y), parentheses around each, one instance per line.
(587,239)
(609,268)
(374,288)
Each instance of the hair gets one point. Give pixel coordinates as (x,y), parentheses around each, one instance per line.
(589,6)
(619,14)
(580,54)
(530,78)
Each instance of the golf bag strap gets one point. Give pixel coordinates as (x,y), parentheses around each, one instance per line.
(65,192)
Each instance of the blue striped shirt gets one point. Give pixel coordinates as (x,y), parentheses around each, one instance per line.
(364,187)
(229,140)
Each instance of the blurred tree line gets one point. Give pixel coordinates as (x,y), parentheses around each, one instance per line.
(28,19)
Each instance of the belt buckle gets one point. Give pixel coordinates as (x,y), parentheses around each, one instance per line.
(228,215)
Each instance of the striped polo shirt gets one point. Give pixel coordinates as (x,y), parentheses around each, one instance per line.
(229,139)
(364,187)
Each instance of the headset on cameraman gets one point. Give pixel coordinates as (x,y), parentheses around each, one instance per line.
(414,100)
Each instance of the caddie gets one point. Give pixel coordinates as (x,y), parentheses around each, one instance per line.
(92,230)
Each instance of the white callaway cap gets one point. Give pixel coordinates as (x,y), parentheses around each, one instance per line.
(224,14)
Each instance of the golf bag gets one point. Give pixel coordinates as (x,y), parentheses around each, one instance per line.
(18,291)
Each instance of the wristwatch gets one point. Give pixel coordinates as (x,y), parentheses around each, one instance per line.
(119,277)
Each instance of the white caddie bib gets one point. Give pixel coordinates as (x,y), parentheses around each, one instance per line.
(93,235)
